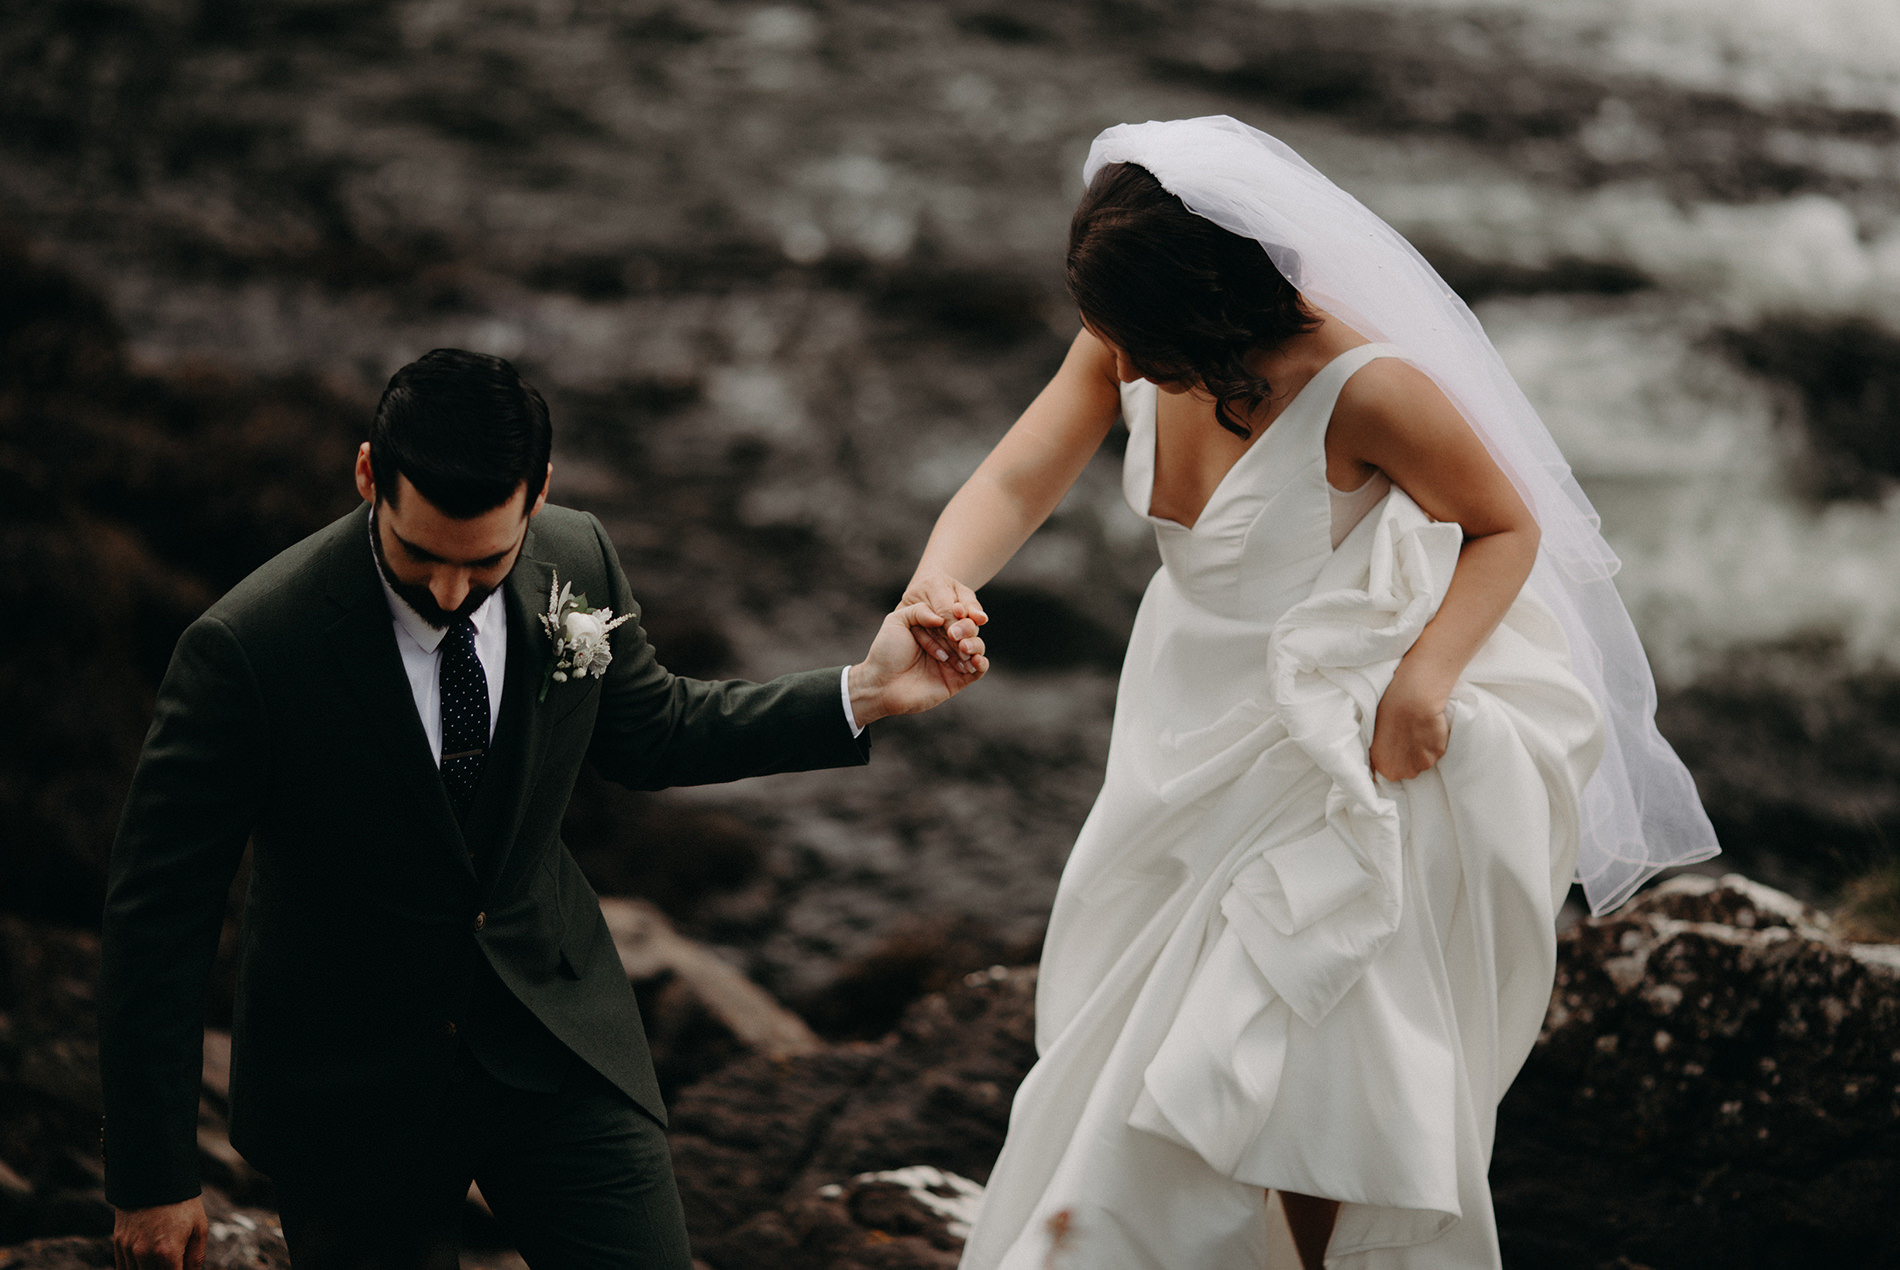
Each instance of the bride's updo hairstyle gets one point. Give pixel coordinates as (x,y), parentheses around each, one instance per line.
(1185,300)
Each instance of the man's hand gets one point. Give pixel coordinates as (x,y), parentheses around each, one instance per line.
(907,670)
(168,1237)
(948,598)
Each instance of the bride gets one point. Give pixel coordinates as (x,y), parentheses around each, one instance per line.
(1380,706)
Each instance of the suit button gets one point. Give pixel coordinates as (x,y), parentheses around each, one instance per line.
(448,1027)
(481,920)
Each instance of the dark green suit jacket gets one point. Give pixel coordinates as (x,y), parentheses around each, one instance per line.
(286,718)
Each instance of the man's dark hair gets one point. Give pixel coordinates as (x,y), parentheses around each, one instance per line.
(465,428)
(1184,299)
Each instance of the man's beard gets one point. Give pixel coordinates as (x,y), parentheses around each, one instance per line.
(418,597)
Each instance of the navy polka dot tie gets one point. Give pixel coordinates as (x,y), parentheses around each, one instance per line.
(464,713)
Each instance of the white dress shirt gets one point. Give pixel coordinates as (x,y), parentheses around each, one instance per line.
(421,648)
(850,715)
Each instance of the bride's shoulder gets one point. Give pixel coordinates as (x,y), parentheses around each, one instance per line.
(1389,382)
(1390,402)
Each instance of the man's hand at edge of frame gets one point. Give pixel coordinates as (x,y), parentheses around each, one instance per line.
(164,1237)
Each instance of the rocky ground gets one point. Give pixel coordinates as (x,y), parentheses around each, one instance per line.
(1717,1084)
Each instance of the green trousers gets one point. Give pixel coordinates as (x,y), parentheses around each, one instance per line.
(579,1179)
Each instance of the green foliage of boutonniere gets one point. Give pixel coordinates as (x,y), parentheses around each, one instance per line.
(578,634)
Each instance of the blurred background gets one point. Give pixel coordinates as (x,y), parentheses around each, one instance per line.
(785,271)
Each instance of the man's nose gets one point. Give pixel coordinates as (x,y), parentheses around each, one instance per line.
(450,588)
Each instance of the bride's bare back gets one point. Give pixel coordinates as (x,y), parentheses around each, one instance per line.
(1193,453)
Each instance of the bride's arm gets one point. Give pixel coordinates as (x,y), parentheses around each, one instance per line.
(1015,489)
(1393,417)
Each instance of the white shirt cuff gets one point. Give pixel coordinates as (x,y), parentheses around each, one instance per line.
(844,691)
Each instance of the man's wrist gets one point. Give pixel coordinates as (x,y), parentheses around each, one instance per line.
(863,704)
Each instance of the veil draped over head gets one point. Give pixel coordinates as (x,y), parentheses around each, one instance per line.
(1640,811)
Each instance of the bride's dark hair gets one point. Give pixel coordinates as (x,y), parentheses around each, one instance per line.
(1184,299)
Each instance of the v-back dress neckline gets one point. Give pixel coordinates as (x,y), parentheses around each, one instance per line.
(1227,479)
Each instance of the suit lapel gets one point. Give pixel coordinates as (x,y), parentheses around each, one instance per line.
(368,665)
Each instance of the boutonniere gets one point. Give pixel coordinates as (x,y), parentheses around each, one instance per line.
(579,636)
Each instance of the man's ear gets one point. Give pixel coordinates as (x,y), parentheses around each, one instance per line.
(365,475)
(540,501)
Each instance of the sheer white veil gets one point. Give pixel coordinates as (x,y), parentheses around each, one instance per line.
(1640,811)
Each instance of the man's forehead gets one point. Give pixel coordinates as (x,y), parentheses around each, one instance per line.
(419,524)
(405,494)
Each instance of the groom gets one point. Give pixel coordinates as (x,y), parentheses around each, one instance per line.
(427,992)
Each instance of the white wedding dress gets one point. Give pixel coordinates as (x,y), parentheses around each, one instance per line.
(1267,968)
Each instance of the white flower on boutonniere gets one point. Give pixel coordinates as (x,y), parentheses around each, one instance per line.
(578,634)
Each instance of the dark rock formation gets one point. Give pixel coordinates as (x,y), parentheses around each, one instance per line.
(898,1219)
(1718,1084)
(755,1144)
(1847,375)
(1796,753)
(49,1085)
(699,1012)
(128,502)
(51,1176)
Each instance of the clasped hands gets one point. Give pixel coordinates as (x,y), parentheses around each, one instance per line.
(926,651)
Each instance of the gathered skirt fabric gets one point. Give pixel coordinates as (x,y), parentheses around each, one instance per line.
(1269,969)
